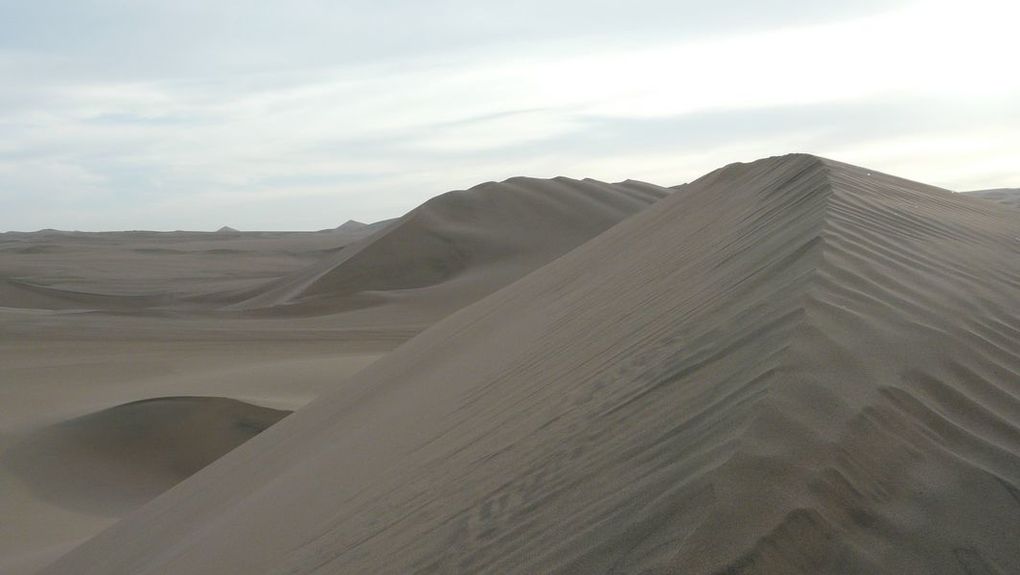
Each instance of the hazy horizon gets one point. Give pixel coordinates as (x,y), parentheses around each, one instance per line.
(199,115)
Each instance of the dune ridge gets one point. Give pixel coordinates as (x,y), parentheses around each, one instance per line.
(484,237)
(794,366)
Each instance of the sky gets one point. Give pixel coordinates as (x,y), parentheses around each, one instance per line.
(299,115)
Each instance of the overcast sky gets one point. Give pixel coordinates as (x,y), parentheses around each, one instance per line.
(194,114)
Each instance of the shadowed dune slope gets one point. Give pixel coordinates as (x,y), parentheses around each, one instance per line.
(111,461)
(484,238)
(795,366)
(1006,196)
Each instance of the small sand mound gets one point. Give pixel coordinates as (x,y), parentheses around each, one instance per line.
(111,461)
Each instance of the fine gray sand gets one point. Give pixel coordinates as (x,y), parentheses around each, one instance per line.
(457,247)
(130,360)
(1006,196)
(787,366)
(125,455)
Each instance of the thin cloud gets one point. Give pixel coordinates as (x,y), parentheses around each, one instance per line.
(168,115)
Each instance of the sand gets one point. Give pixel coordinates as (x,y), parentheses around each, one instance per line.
(456,248)
(111,461)
(130,360)
(788,366)
(1005,196)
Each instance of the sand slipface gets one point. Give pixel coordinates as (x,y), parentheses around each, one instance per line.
(793,366)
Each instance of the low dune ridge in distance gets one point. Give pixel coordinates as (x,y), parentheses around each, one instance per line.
(351,225)
(459,247)
(1006,196)
(111,461)
(793,366)
(354,226)
(143,270)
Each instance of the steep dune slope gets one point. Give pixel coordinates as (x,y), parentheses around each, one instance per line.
(462,245)
(795,366)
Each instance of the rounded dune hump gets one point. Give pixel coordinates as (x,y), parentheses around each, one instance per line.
(112,461)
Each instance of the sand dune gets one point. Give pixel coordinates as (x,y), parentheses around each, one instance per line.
(1006,196)
(49,378)
(90,323)
(111,461)
(460,246)
(793,366)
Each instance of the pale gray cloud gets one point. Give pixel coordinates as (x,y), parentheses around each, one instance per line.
(188,114)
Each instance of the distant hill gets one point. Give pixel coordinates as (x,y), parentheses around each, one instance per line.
(462,245)
(351,226)
(1005,196)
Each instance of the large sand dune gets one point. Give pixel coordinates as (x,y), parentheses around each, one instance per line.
(460,246)
(792,366)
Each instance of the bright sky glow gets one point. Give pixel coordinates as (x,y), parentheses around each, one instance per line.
(259,115)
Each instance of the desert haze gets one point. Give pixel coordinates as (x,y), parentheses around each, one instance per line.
(792,365)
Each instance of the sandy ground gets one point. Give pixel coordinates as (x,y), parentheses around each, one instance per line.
(130,360)
(93,321)
(788,366)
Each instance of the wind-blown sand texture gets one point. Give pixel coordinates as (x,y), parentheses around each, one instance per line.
(92,324)
(788,366)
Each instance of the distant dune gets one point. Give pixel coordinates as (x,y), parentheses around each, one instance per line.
(145,270)
(460,246)
(790,366)
(351,225)
(92,323)
(1005,196)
